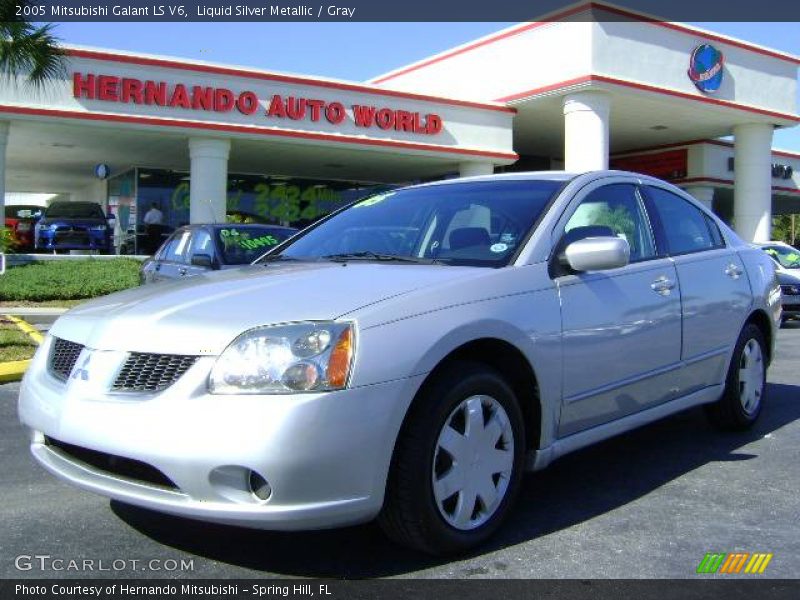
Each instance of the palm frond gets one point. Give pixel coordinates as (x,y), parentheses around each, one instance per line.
(28,50)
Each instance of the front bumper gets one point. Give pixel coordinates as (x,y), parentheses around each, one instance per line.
(325,456)
(73,239)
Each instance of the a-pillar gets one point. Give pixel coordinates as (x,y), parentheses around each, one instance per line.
(703,193)
(752,193)
(3,143)
(209,179)
(586,116)
(474,169)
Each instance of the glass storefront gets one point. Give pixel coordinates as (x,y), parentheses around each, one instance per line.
(279,200)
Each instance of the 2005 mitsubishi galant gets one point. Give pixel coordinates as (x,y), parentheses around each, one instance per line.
(409,357)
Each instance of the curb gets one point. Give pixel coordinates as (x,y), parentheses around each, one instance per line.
(33,311)
(15,369)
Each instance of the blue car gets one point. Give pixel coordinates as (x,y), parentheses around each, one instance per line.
(74,226)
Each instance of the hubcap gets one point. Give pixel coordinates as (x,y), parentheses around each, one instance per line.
(473,462)
(751,376)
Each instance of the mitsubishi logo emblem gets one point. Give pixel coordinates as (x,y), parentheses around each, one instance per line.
(82,372)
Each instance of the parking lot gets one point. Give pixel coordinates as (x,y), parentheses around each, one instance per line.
(647,504)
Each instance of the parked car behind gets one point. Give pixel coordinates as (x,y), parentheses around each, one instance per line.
(21,219)
(195,249)
(787,264)
(69,225)
(408,357)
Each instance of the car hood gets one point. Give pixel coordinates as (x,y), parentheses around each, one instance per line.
(67,221)
(788,277)
(202,314)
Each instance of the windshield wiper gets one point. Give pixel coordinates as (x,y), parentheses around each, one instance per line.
(369,255)
(271,257)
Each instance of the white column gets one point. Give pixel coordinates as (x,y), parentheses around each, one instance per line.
(703,193)
(473,169)
(209,180)
(752,193)
(3,143)
(586,131)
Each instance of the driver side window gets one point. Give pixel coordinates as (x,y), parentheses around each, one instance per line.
(614,210)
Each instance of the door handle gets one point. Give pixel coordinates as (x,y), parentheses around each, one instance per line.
(663,285)
(733,271)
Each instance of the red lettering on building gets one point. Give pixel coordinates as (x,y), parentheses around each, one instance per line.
(110,88)
(202,98)
(364,116)
(131,91)
(107,88)
(247,103)
(335,113)
(276,107)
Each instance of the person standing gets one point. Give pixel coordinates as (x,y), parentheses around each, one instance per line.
(153,223)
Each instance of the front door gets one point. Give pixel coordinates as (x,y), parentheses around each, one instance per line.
(621,328)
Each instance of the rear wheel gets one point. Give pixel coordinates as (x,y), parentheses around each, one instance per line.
(746,383)
(458,462)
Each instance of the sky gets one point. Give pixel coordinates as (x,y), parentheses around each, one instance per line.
(353,51)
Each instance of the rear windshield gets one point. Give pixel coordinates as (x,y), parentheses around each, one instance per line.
(75,210)
(242,245)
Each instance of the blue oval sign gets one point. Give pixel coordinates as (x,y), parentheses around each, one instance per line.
(706,68)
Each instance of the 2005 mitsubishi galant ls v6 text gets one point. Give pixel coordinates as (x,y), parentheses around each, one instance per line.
(409,356)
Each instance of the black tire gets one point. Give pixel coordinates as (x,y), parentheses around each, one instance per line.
(729,413)
(410,514)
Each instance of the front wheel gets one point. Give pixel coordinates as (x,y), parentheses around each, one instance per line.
(746,383)
(457,464)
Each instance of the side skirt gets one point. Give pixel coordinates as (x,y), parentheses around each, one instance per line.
(539,459)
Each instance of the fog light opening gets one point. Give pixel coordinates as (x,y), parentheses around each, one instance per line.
(259,486)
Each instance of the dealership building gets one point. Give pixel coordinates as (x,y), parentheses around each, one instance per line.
(590,88)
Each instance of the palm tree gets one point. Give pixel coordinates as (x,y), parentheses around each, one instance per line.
(27,49)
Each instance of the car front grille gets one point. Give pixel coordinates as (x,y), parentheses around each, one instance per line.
(151,372)
(790,290)
(110,464)
(63,356)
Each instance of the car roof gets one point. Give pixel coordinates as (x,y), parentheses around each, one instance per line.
(237,225)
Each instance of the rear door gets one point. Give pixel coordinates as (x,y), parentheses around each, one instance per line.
(715,291)
(621,328)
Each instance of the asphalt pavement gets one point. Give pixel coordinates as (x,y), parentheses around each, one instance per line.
(650,503)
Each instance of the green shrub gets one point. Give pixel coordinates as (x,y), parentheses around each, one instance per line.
(68,279)
(7,240)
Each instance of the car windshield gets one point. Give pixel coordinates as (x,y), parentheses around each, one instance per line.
(242,245)
(788,258)
(23,212)
(472,223)
(74,210)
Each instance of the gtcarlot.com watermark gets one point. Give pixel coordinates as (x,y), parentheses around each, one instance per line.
(46,562)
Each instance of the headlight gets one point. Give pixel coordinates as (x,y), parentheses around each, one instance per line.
(286,359)
(97,228)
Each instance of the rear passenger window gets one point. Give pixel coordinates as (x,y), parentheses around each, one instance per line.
(687,228)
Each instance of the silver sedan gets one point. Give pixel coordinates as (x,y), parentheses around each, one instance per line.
(408,357)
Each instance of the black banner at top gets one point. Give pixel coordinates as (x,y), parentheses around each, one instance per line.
(406,10)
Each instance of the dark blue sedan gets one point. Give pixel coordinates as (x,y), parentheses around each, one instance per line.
(194,249)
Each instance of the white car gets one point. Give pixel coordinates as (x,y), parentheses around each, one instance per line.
(408,357)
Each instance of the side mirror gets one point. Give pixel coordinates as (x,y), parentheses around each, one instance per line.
(597,254)
(202,260)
